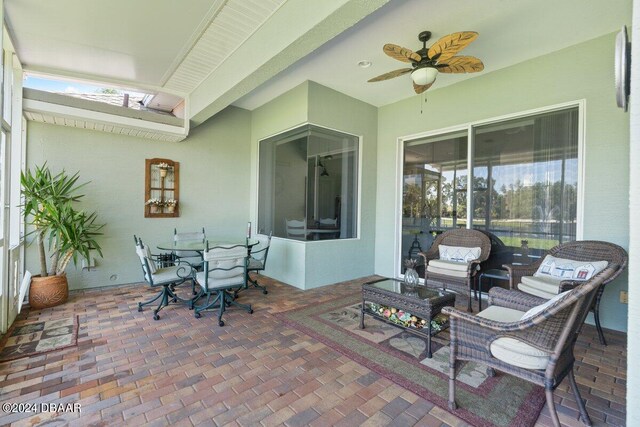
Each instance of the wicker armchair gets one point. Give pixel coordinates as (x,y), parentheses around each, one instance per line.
(459,277)
(538,349)
(584,250)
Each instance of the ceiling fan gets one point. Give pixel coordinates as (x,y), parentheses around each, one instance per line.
(439,58)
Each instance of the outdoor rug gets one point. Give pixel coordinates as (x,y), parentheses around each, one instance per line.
(28,338)
(400,356)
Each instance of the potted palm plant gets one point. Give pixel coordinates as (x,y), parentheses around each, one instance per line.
(68,232)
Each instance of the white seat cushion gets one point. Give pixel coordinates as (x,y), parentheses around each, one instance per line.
(449,265)
(220,283)
(169,274)
(446,271)
(518,353)
(501,314)
(543,287)
(511,350)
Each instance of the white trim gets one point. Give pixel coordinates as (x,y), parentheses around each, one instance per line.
(469,126)
(64,111)
(399,189)
(582,146)
(470,150)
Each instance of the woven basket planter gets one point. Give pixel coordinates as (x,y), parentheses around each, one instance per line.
(49,291)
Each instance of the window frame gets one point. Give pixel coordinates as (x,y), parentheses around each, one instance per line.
(469,127)
(359,151)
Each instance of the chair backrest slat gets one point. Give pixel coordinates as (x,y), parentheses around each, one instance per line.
(296,228)
(225,264)
(190,236)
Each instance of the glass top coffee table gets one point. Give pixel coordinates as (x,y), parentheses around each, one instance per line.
(419,300)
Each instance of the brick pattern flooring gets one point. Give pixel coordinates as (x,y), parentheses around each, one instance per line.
(129,369)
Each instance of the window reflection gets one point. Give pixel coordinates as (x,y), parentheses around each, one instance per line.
(524,184)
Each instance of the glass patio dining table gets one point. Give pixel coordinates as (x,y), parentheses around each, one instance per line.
(200,246)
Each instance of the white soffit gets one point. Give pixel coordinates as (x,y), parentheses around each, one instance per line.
(231,26)
(123,40)
(51,108)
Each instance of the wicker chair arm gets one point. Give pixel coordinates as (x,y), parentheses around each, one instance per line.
(567,285)
(516,272)
(513,299)
(427,256)
(482,333)
(473,267)
(457,317)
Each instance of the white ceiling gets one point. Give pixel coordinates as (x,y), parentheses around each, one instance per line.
(195,46)
(129,40)
(510,32)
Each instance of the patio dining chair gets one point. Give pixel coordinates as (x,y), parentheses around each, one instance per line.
(225,270)
(525,336)
(296,229)
(165,277)
(192,257)
(454,258)
(566,266)
(258,259)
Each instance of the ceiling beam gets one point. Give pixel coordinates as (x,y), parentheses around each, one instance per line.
(294,31)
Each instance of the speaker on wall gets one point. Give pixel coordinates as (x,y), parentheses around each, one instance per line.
(622,68)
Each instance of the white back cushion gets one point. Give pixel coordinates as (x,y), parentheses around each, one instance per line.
(539,308)
(567,269)
(232,260)
(145,253)
(458,253)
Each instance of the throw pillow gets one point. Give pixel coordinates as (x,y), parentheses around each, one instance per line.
(567,269)
(458,253)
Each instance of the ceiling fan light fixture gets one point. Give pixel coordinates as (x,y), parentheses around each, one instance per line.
(424,75)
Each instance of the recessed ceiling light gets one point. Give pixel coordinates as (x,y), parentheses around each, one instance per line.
(364,64)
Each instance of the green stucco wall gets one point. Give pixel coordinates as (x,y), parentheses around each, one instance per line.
(338,260)
(567,75)
(286,260)
(214,187)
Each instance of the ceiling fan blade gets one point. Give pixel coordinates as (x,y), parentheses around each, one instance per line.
(449,45)
(401,53)
(390,75)
(461,64)
(419,88)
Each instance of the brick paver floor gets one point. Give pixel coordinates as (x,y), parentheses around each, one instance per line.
(131,370)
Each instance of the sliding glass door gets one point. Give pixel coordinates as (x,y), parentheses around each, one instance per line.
(527,175)
(524,184)
(433,189)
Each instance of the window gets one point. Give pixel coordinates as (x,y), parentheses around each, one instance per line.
(308,187)
(524,183)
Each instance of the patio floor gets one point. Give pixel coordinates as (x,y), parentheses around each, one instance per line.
(129,369)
